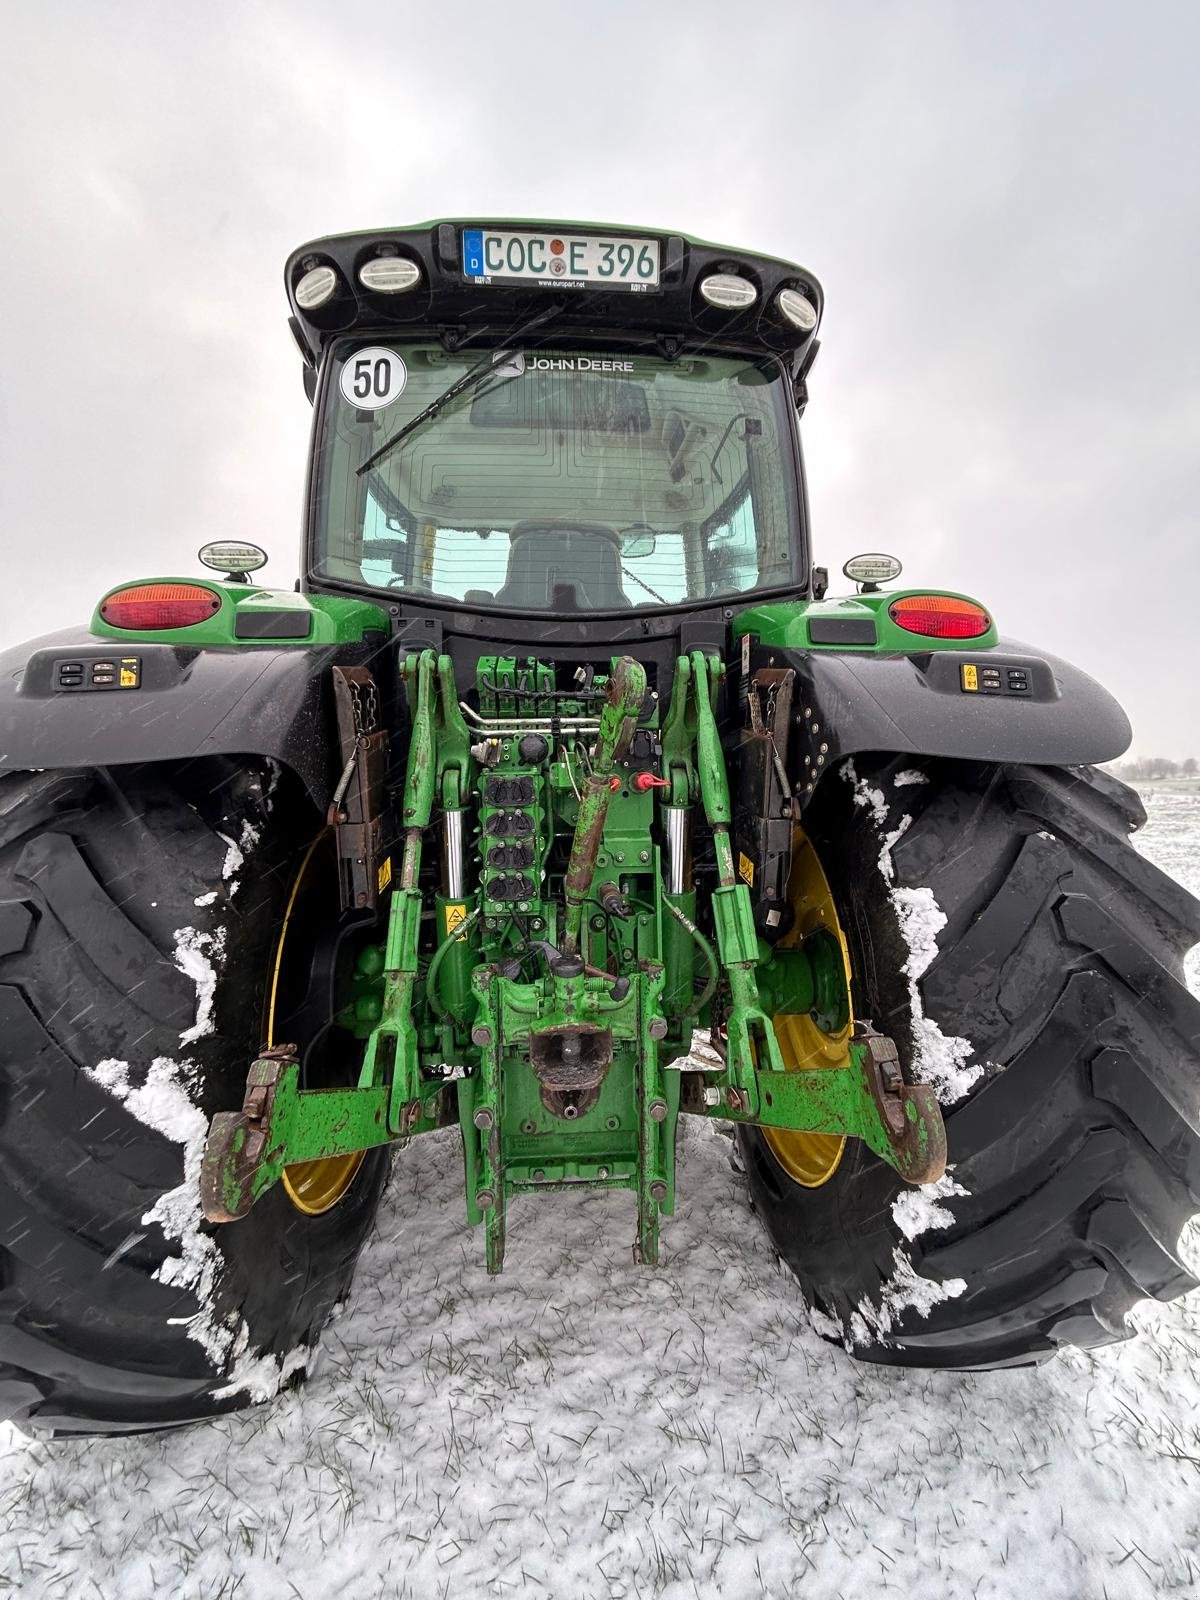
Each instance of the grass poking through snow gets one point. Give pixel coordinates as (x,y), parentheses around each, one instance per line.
(584,1427)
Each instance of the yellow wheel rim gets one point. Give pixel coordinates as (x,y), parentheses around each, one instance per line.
(810,1159)
(317,1186)
(312,1186)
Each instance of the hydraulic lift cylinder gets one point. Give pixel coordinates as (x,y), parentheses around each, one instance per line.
(454,968)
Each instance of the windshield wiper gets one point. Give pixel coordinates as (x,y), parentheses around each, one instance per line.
(506,363)
(500,364)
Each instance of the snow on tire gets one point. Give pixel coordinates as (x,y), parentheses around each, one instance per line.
(137,914)
(1028,962)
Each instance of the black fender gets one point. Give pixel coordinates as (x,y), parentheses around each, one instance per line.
(187,702)
(846,702)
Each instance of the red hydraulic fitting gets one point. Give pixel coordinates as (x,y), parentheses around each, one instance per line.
(614,784)
(647,780)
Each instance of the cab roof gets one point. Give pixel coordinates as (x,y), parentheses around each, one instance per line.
(465,309)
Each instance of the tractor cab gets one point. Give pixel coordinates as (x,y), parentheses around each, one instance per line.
(519,418)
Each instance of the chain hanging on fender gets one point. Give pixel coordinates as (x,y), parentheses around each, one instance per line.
(359,812)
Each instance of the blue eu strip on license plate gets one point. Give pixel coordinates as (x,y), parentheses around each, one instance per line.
(473,252)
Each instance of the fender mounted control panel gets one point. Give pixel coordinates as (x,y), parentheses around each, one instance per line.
(97,672)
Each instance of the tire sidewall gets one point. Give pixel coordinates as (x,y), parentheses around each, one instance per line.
(840,1238)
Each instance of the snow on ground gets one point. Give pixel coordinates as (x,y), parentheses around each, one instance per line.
(583,1427)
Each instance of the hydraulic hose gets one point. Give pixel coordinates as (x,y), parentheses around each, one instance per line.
(706,950)
(431,989)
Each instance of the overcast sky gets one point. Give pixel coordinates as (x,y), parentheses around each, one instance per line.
(1000,200)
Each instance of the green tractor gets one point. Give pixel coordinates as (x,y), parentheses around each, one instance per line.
(556,802)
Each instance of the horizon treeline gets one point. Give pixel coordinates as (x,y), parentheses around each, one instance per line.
(1135,769)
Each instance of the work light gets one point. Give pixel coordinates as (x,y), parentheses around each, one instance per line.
(315,287)
(728,292)
(798,309)
(389,274)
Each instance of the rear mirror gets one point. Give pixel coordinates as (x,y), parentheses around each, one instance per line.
(637,544)
(393,551)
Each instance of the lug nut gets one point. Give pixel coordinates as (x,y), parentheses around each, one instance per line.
(485,1199)
(658,1110)
(712,1095)
(658,1190)
(484,1118)
(481,1035)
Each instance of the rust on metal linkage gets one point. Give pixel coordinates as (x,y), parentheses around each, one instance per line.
(237,1140)
(909,1112)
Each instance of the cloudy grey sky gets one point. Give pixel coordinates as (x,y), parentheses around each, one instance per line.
(1001,201)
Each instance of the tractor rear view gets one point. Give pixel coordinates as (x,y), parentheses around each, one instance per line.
(556,803)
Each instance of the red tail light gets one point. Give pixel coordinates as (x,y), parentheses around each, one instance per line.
(939,616)
(160,605)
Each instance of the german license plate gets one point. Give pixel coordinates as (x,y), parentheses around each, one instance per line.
(560,260)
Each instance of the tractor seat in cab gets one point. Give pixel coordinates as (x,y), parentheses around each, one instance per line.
(563,566)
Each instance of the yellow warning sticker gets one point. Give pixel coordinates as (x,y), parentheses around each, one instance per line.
(970,677)
(385,873)
(746,869)
(456,915)
(129,673)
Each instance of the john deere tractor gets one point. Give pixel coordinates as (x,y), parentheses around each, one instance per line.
(556,802)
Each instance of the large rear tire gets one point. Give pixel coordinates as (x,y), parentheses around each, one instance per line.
(138,913)
(1078,1143)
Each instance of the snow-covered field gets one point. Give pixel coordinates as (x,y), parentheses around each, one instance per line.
(582,1427)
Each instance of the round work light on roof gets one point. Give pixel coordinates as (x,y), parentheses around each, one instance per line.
(389,274)
(315,287)
(798,309)
(728,292)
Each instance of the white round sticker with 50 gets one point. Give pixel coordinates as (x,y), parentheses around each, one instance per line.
(372,379)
